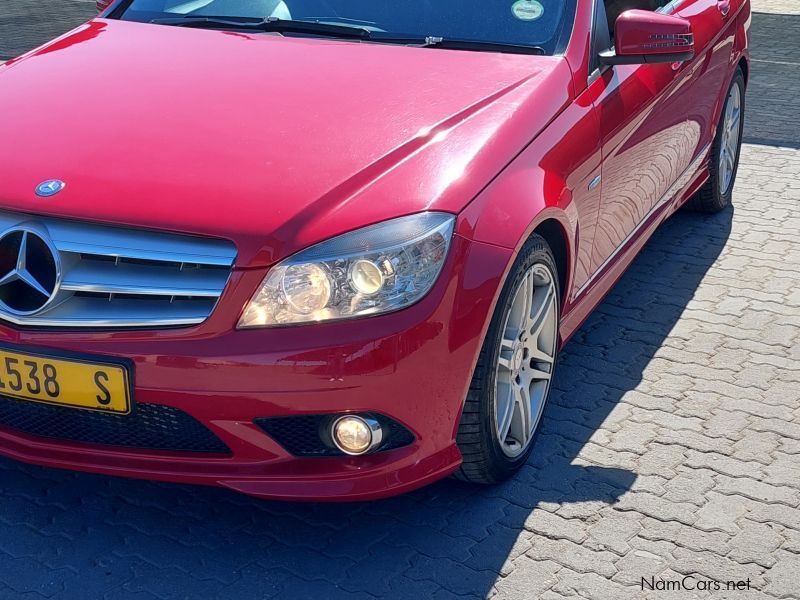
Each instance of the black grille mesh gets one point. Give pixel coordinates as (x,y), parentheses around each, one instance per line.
(150,426)
(308,435)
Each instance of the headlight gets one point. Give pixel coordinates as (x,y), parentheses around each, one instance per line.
(369,271)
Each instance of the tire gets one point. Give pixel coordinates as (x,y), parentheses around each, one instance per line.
(712,198)
(487,459)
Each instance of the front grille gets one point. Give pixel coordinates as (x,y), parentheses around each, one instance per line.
(114,277)
(308,435)
(149,426)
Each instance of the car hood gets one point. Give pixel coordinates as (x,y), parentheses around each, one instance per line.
(273,142)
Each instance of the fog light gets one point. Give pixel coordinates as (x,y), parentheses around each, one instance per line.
(356,435)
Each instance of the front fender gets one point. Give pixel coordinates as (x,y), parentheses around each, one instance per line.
(554,178)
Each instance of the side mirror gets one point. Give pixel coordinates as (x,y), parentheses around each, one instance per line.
(103,4)
(643,36)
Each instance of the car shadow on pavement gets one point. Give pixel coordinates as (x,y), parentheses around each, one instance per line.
(65,531)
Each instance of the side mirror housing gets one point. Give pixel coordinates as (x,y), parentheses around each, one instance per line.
(103,4)
(643,36)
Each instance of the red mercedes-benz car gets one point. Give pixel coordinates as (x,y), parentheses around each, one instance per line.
(330,249)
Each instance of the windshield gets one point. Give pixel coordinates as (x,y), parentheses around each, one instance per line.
(542,23)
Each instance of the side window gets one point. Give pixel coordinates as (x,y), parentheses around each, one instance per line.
(601,37)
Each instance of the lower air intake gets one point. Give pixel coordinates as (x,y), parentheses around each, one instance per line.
(149,426)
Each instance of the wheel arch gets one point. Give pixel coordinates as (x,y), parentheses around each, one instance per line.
(555,221)
(744,65)
(556,237)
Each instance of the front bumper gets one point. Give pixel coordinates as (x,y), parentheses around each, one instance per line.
(413,366)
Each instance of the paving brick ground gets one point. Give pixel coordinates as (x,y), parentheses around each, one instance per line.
(671,446)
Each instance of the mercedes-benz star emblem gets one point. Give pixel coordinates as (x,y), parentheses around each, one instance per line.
(30,271)
(49,188)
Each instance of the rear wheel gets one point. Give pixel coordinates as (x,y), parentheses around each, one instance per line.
(511,382)
(717,192)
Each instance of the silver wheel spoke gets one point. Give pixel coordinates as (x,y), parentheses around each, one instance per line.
(730,164)
(533,375)
(540,356)
(731,147)
(506,353)
(528,290)
(507,344)
(733,122)
(539,311)
(524,407)
(504,419)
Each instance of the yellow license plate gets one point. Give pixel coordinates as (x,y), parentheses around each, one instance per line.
(70,382)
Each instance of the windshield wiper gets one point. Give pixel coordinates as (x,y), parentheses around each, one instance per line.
(270,24)
(458,44)
(480,46)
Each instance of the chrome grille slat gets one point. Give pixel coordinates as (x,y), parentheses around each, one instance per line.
(137,245)
(115,277)
(121,278)
(120,312)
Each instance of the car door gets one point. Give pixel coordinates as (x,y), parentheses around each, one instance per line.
(647,139)
(714,28)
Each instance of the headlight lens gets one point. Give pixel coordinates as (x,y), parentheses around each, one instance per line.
(377,269)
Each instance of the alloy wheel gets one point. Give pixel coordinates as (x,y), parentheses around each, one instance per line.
(526,360)
(729,146)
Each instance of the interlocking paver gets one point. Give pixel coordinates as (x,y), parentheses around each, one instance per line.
(555,526)
(528,579)
(671,445)
(782,578)
(716,567)
(614,531)
(631,566)
(755,543)
(721,513)
(693,538)
(757,490)
(579,559)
